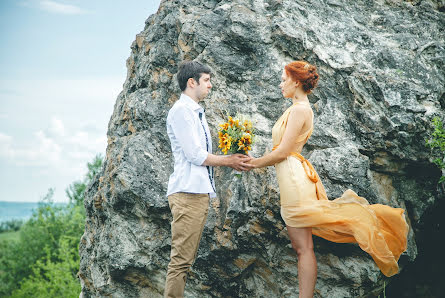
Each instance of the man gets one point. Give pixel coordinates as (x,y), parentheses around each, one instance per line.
(192,181)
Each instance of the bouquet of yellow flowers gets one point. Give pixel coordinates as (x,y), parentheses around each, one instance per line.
(236,135)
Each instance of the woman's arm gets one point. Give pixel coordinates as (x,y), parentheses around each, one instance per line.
(235,161)
(295,123)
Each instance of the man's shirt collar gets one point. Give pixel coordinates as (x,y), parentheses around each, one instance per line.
(191,103)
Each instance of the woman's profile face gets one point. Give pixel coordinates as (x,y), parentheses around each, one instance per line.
(287,86)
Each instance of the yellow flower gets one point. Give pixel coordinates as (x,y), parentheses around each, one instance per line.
(226,147)
(223,138)
(247,124)
(231,122)
(224,126)
(241,145)
(237,132)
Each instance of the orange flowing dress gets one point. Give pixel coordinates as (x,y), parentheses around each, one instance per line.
(378,229)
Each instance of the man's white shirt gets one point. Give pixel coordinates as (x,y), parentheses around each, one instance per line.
(189,147)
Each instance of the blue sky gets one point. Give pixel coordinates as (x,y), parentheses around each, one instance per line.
(62,65)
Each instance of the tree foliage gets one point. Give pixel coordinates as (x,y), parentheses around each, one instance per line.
(11,225)
(45,260)
(437,145)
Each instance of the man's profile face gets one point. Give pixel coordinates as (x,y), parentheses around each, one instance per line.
(203,89)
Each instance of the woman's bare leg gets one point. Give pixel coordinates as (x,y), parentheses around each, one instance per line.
(302,243)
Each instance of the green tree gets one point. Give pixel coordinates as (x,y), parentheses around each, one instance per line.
(53,278)
(11,225)
(437,145)
(44,261)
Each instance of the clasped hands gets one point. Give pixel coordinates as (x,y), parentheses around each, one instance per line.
(240,162)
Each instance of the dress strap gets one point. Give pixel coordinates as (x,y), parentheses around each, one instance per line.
(305,136)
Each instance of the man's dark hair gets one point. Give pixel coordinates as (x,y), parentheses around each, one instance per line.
(191,69)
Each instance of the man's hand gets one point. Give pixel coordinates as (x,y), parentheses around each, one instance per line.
(236,161)
(239,162)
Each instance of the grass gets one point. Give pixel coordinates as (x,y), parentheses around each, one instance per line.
(9,236)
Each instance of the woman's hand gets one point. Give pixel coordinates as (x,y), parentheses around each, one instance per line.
(239,162)
(252,162)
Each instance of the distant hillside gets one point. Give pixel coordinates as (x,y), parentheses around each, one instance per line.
(17,210)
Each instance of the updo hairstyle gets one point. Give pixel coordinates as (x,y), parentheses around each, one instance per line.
(301,71)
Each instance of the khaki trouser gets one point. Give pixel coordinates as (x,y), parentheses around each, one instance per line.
(189,215)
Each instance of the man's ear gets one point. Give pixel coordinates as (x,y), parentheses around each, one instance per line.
(191,82)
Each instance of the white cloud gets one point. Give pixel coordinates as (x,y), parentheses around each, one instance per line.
(42,151)
(84,145)
(66,153)
(57,126)
(4,138)
(47,151)
(5,146)
(61,8)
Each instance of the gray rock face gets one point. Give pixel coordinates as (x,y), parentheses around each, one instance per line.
(381,65)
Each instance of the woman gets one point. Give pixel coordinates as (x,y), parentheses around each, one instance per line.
(378,229)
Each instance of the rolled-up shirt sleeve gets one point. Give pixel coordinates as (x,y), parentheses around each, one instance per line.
(184,128)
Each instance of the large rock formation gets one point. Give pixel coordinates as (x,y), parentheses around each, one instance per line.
(381,65)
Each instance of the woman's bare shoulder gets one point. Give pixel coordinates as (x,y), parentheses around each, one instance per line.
(301,110)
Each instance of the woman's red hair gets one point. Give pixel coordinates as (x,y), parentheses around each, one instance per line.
(303,72)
